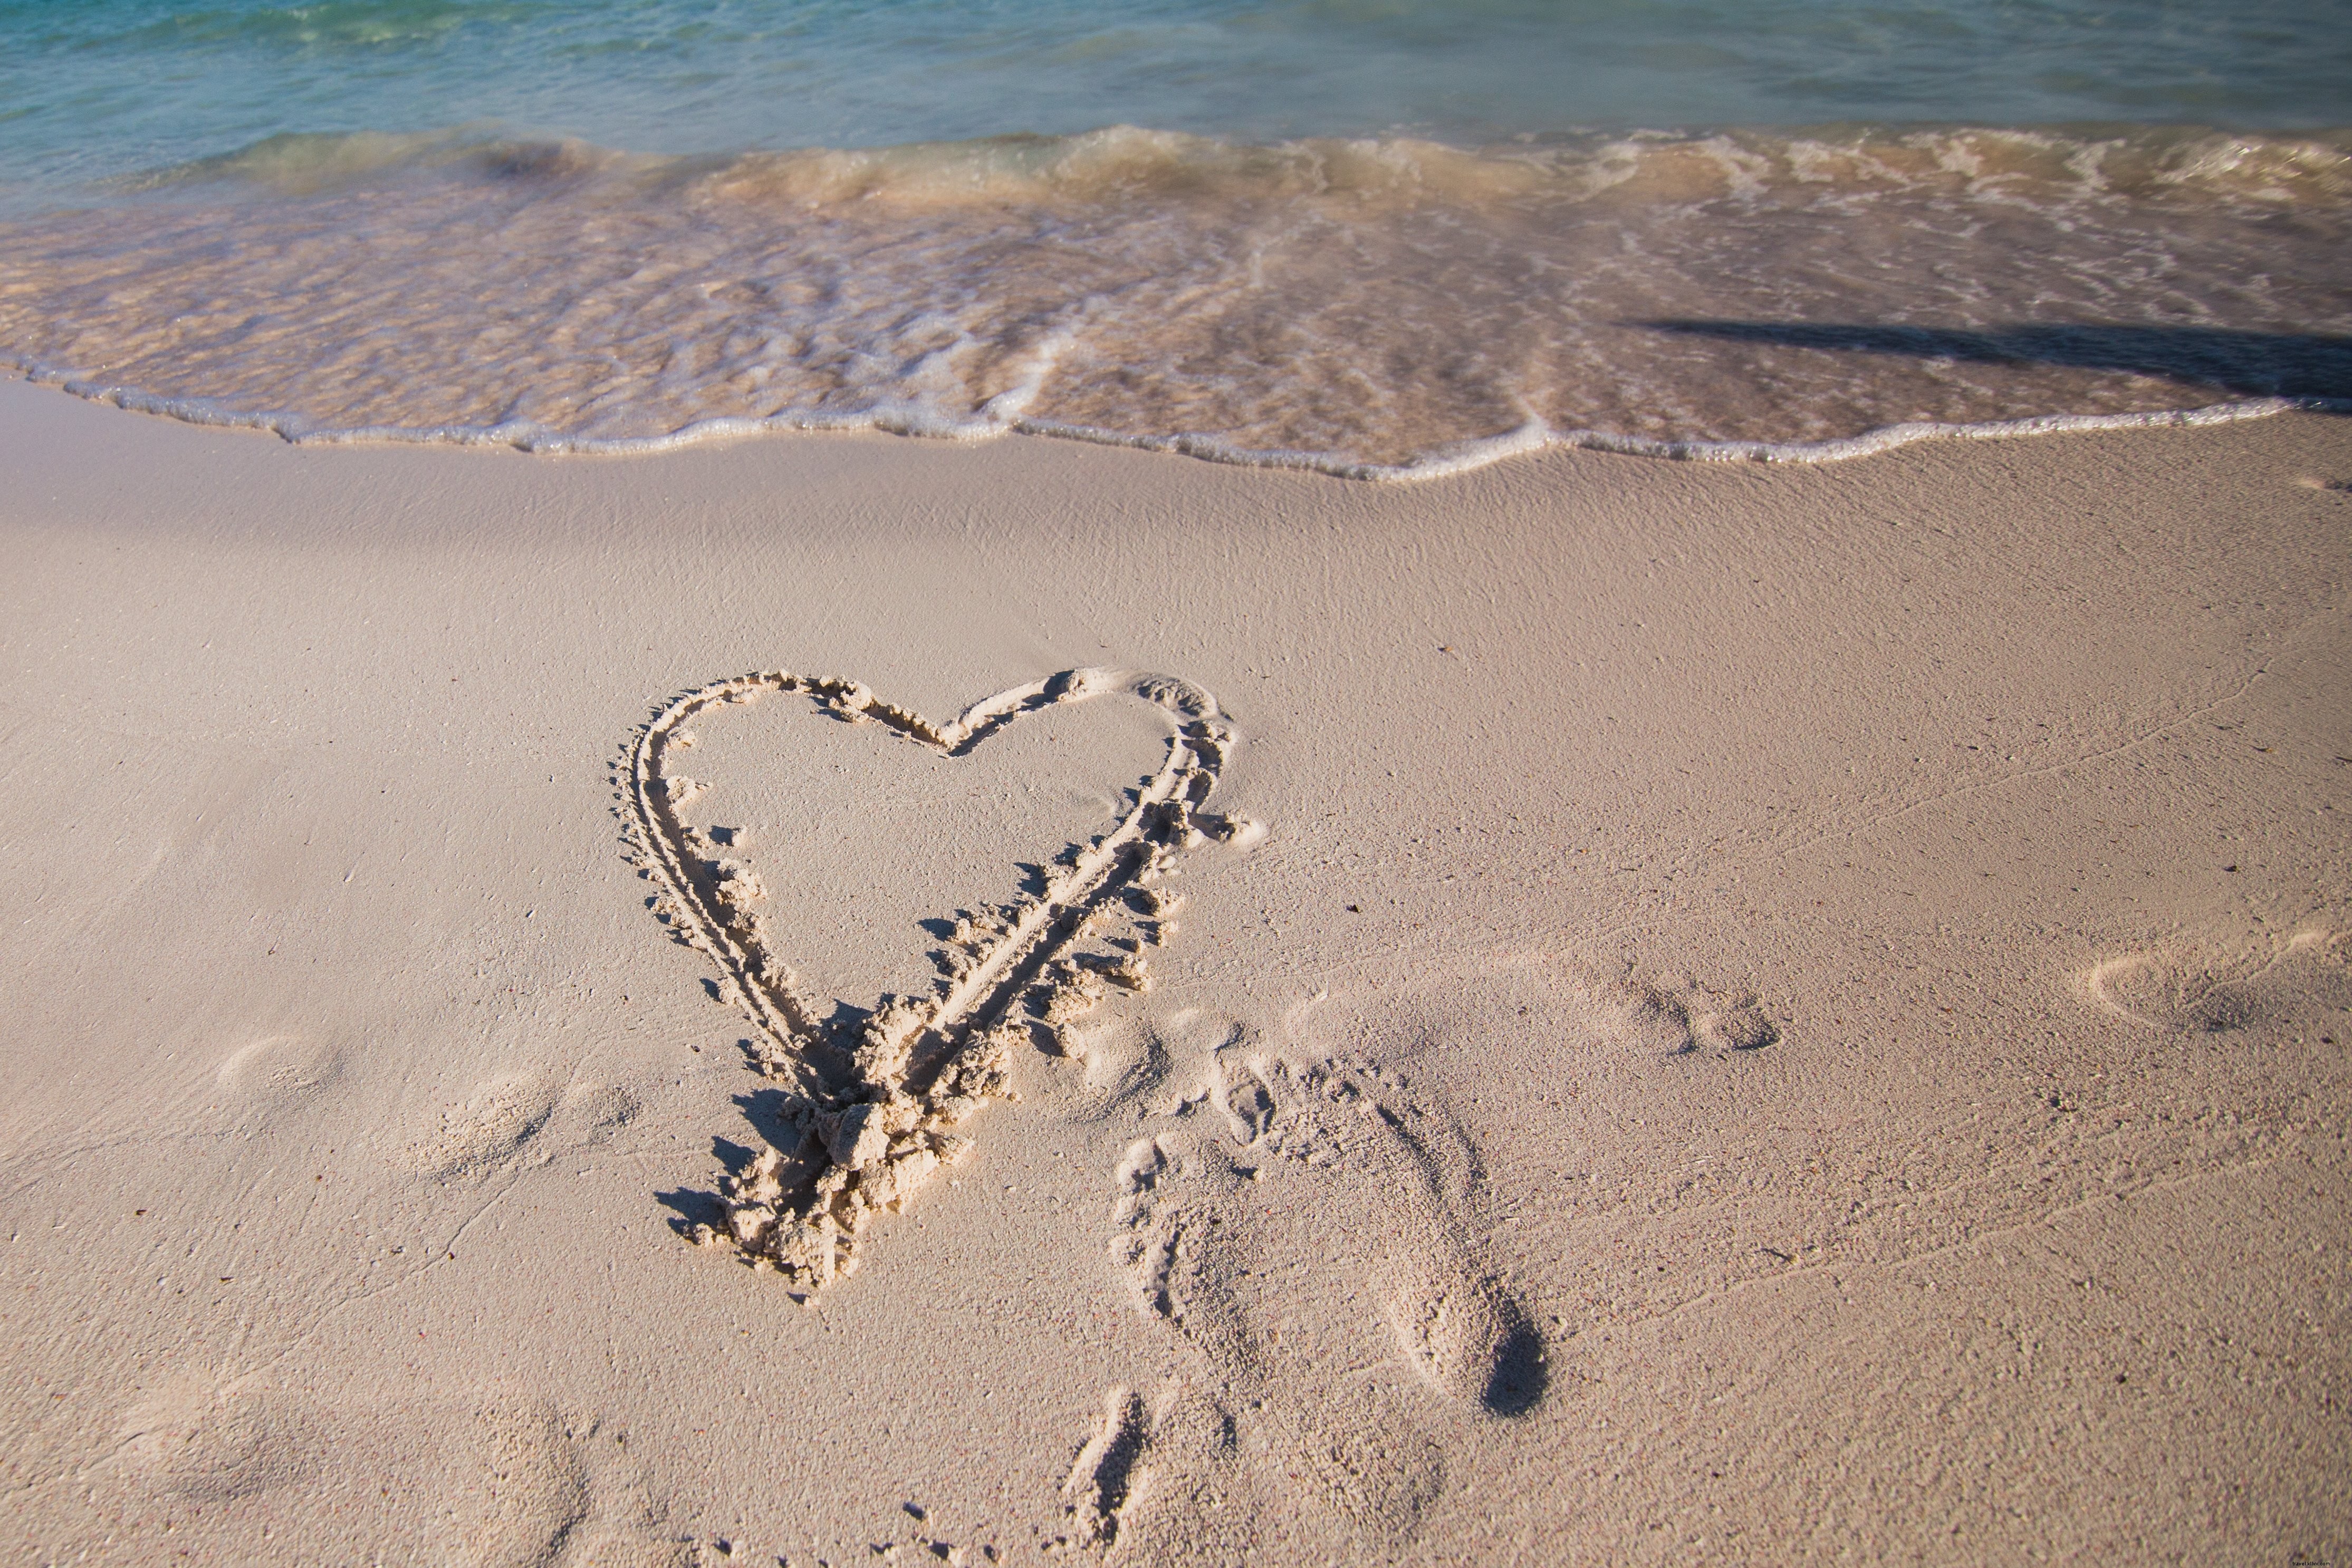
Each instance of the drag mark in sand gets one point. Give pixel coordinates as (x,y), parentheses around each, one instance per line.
(873,1108)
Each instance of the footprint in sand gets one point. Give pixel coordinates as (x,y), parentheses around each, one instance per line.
(1300,1231)
(511,1478)
(520,1119)
(1164,1479)
(280,1067)
(2301,986)
(1691,1019)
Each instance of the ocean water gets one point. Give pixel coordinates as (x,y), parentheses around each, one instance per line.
(1383,237)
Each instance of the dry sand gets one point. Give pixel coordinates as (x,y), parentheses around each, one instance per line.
(1775,1014)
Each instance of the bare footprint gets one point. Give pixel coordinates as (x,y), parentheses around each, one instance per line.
(1692,1020)
(1162,1478)
(502,1478)
(280,1067)
(517,1120)
(215,1445)
(2301,985)
(1300,1232)
(1109,1472)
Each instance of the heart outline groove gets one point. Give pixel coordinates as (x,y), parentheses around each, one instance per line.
(871,1113)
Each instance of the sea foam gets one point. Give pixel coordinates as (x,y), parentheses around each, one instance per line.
(1384,308)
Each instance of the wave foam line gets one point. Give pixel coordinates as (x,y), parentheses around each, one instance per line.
(913,420)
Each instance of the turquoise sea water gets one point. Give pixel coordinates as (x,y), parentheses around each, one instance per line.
(97,88)
(1351,232)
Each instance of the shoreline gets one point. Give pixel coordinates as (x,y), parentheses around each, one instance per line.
(1782,1010)
(1448,462)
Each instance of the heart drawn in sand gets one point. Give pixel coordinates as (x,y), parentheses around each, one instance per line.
(874,1106)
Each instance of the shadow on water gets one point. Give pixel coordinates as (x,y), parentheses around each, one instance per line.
(2250,364)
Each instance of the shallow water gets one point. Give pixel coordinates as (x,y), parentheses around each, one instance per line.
(1373,238)
(98,86)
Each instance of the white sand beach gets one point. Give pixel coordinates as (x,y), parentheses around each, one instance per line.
(1698,1012)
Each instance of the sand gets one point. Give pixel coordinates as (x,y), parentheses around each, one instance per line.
(1690,1012)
